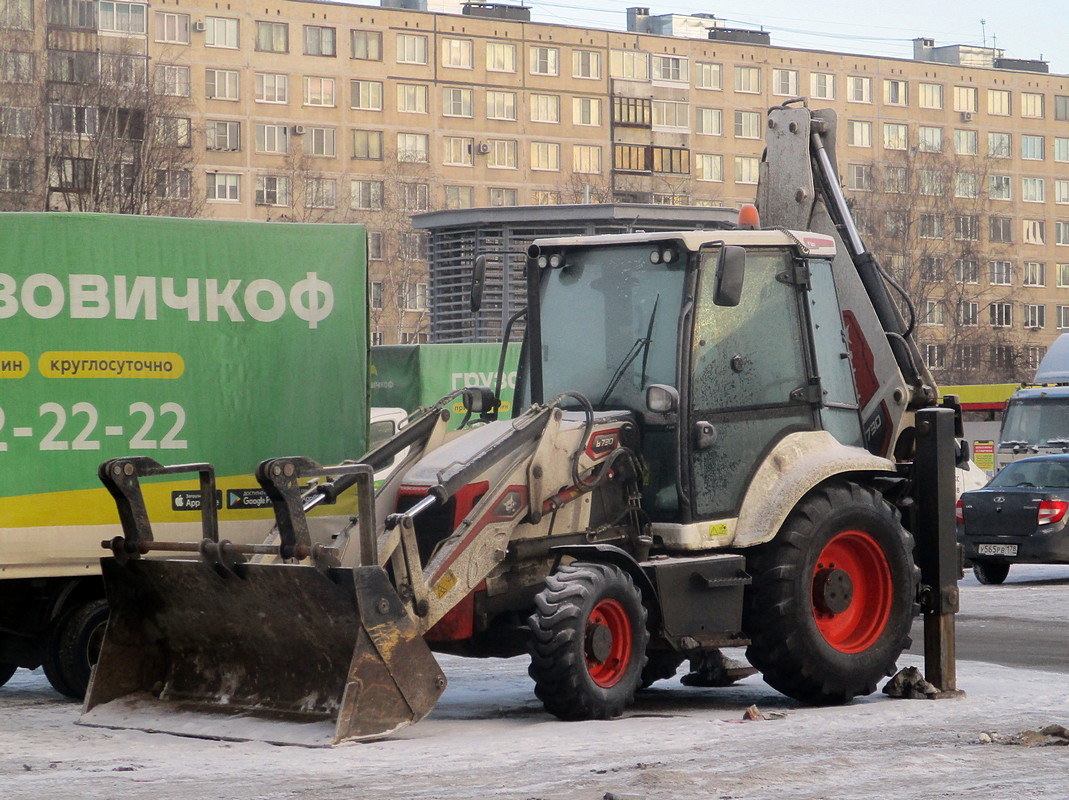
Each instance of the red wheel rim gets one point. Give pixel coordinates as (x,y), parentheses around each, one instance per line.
(858,626)
(608,667)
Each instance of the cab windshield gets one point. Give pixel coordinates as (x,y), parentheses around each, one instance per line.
(610,319)
(1036,420)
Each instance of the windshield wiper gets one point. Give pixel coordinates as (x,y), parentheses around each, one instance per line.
(640,346)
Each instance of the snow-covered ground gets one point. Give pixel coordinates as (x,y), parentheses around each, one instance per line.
(489,738)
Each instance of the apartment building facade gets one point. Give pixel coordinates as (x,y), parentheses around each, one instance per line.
(326,112)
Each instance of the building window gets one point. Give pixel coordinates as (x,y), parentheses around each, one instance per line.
(174,131)
(748,80)
(935,356)
(272,190)
(709,167)
(322,142)
(968,356)
(1000,187)
(16,175)
(1032,105)
(414,196)
(457,102)
(272,37)
(931,95)
(412,246)
(1063,276)
(221,84)
(895,136)
(17,15)
(172,80)
(709,121)
(503,197)
(272,87)
(272,138)
(933,313)
(457,151)
(456,53)
(965,99)
(1033,190)
(966,228)
(895,223)
(1032,147)
(366,95)
(931,269)
(64,66)
(1000,273)
(500,57)
(1035,231)
(375,299)
(1061,233)
(545,156)
(367,145)
(413,148)
(822,86)
(413,296)
(221,32)
(365,45)
(858,89)
(586,159)
(1035,316)
(318,91)
(998,102)
(931,226)
(1061,190)
(320,40)
(501,105)
(785,82)
(746,169)
(1001,315)
(966,184)
(929,139)
(545,108)
(671,114)
(632,111)
(747,125)
(545,60)
(998,145)
(968,313)
(173,184)
(586,111)
(320,193)
(366,195)
(223,186)
(122,17)
(376,249)
(859,177)
(708,76)
(1062,313)
(223,134)
(858,133)
(629,64)
(1061,149)
(966,271)
(895,92)
(1000,230)
(502,154)
(586,64)
(670,68)
(412,98)
(966,142)
(73,13)
(672,160)
(895,180)
(172,28)
(411,48)
(1033,273)
(459,196)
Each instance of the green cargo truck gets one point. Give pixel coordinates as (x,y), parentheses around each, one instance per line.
(181,340)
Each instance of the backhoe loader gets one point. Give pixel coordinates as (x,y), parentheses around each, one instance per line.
(713,446)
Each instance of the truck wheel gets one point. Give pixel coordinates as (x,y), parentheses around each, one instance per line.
(833,596)
(73,646)
(6,671)
(588,643)
(990,572)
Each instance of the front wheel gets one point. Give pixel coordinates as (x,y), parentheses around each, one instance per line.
(833,596)
(588,641)
(73,646)
(990,572)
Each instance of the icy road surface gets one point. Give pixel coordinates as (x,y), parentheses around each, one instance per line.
(489,738)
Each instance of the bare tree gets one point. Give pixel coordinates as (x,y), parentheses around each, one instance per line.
(21,119)
(931,220)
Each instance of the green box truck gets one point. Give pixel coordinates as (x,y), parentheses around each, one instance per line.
(182,340)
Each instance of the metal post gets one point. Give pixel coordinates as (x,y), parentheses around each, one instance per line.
(937,548)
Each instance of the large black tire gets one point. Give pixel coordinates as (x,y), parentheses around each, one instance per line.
(833,596)
(72,648)
(6,671)
(990,572)
(588,641)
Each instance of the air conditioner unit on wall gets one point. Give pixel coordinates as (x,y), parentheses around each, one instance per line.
(966,116)
(298,130)
(199,27)
(483,148)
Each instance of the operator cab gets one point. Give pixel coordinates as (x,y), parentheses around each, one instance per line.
(715,368)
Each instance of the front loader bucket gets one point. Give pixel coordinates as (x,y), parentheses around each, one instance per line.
(280,653)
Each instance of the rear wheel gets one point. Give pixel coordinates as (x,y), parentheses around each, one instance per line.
(73,646)
(990,572)
(588,641)
(6,671)
(832,599)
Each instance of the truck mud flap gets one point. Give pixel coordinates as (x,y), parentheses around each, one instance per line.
(280,653)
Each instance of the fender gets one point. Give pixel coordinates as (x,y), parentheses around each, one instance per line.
(797,464)
(617,556)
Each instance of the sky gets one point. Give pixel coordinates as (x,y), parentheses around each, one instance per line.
(1027,29)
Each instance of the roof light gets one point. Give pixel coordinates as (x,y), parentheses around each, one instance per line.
(749,219)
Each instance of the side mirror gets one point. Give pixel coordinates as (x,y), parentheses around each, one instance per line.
(730,269)
(479,400)
(662,399)
(478,280)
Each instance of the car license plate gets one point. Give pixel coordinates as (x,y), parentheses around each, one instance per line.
(997,549)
